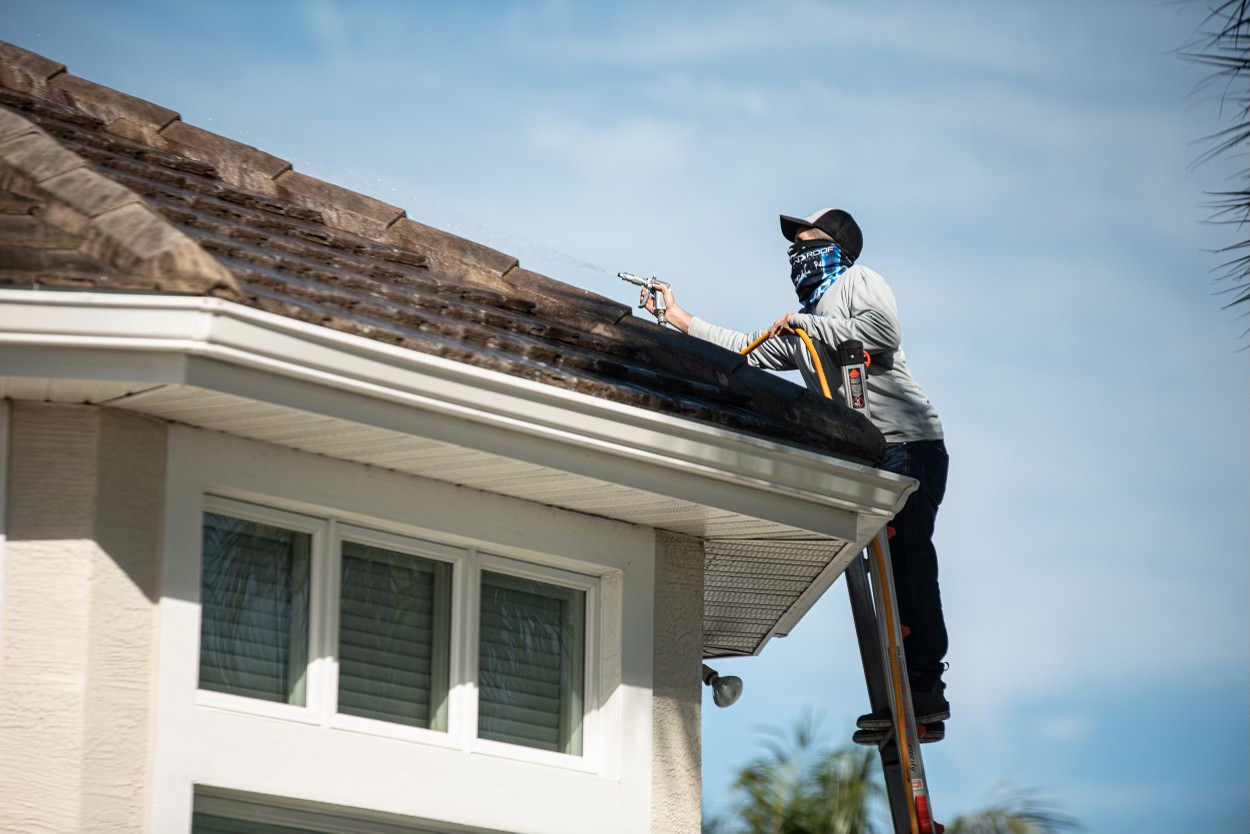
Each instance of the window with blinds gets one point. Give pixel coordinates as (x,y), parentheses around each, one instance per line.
(394,636)
(379,613)
(254,593)
(531,663)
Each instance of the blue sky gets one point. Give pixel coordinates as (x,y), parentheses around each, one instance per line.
(1022,175)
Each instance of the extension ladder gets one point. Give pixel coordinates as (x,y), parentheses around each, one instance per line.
(870,584)
(880,637)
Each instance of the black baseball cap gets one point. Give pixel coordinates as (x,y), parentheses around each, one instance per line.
(836,223)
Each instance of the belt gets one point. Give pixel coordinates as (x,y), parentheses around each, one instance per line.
(880,362)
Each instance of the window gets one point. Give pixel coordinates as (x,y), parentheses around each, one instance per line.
(254,625)
(218,811)
(213,824)
(360,629)
(394,636)
(530,657)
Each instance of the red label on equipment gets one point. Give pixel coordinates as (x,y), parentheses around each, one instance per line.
(857,390)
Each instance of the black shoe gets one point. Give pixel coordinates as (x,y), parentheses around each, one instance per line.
(928,704)
(875,738)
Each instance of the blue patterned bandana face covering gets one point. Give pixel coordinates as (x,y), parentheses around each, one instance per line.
(814,266)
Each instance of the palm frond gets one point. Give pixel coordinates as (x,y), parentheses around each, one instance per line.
(1015,812)
(800,785)
(1222,44)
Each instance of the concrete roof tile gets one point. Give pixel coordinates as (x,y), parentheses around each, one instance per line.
(12,125)
(136,238)
(35,156)
(343,209)
(17,204)
(88,192)
(235,162)
(109,105)
(450,251)
(578,307)
(27,71)
(26,231)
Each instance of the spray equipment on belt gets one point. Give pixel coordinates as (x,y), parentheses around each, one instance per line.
(652,286)
(854,361)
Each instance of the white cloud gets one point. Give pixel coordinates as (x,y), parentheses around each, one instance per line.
(1066,728)
(610,151)
(326,25)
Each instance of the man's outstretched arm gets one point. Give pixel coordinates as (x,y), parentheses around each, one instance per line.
(776,354)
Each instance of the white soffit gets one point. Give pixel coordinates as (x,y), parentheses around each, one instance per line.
(443,462)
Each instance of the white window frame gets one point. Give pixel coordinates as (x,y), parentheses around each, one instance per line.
(328,532)
(313,708)
(414,546)
(591,586)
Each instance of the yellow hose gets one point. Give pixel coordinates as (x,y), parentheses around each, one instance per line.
(811,349)
(761,340)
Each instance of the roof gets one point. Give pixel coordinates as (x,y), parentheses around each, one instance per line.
(107,191)
(176,236)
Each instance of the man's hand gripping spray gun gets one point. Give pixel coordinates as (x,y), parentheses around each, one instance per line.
(652,286)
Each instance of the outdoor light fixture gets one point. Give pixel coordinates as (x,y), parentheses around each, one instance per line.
(724,690)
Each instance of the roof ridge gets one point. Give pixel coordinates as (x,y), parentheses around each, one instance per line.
(244,166)
(114,223)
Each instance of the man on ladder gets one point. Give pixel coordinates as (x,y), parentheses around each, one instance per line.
(844,301)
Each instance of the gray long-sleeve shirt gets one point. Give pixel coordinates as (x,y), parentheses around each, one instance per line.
(860,305)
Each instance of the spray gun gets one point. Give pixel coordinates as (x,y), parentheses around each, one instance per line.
(653,287)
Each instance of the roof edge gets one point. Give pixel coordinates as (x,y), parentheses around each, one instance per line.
(775,472)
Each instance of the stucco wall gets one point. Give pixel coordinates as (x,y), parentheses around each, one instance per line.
(677,783)
(78,607)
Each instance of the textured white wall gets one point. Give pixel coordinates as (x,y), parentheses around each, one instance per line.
(85,494)
(677,783)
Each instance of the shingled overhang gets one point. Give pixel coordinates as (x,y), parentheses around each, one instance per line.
(150,265)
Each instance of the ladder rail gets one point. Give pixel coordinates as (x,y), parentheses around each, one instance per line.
(905,731)
(864,617)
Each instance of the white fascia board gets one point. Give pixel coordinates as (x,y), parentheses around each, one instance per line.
(133,337)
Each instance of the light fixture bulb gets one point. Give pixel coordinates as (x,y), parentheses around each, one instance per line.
(725,690)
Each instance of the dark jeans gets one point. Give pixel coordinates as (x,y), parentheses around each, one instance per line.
(913,557)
